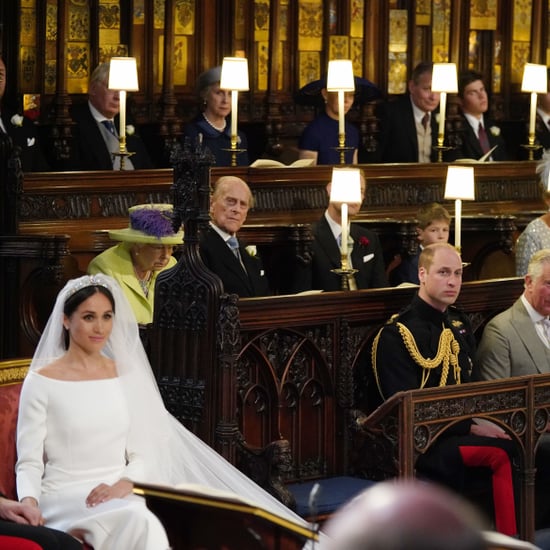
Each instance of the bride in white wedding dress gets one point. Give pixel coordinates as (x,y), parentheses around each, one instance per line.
(91,422)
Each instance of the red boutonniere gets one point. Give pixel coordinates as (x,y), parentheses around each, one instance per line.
(363,241)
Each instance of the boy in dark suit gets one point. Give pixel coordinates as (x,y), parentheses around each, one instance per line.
(433,224)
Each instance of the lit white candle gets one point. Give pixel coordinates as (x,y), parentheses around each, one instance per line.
(344,220)
(234,108)
(442,105)
(533,114)
(341,114)
(122,113)
(458,222)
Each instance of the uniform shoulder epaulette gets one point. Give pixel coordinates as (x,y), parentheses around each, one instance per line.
(393,319)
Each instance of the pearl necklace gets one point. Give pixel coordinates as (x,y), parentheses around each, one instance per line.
(218,128)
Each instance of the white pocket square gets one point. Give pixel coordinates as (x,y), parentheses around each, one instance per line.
(368,258)
(30,142)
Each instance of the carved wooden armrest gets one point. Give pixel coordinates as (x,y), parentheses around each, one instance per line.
(373,449)
(268,467)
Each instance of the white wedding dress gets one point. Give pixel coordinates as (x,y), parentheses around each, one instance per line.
(72,436)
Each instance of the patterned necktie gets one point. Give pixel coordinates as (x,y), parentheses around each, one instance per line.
(426,120)
(110,126)
(233,243)
(483,139)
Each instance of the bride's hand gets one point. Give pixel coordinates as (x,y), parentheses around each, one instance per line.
(104,492)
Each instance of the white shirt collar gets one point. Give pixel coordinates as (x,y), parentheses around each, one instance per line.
(533,313)
(474,122)
(223,234)
(98,117)
(418,113)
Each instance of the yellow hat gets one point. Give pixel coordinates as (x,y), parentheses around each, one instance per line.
(149,224)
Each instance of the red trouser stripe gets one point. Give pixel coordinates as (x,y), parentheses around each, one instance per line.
(503,488)
(16,543)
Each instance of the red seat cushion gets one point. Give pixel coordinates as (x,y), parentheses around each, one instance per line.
(9,404)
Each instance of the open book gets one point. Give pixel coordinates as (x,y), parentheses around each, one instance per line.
(213,505)
(270,163)
(485,157)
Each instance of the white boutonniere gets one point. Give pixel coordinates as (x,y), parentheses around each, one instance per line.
(495,130)
(130,130)
(251,249)
(17,120)
(437,117)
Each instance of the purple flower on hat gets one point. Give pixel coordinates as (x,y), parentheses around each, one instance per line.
(152,222)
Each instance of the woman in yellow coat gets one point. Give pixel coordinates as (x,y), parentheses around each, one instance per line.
(145,249)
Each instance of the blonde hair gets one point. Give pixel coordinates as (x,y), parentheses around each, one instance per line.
(430,212)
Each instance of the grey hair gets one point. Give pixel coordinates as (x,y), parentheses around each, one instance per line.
(101,73)
(537,262)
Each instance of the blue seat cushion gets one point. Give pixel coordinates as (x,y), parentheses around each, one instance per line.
(334,491)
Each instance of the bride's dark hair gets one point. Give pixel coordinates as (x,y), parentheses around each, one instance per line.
(83,294)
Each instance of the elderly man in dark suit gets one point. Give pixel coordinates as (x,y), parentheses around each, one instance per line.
(96,130)
(479,134)
(240,270)
(408,126)
(366,252)
(22,132)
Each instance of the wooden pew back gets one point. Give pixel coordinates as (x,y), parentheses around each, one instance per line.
(299,355)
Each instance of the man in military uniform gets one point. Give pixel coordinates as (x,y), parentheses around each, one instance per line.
(430,344)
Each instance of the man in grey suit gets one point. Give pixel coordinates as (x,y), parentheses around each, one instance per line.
(517,342)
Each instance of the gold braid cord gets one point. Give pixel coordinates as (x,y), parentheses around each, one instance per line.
(447,355)
(374,351)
